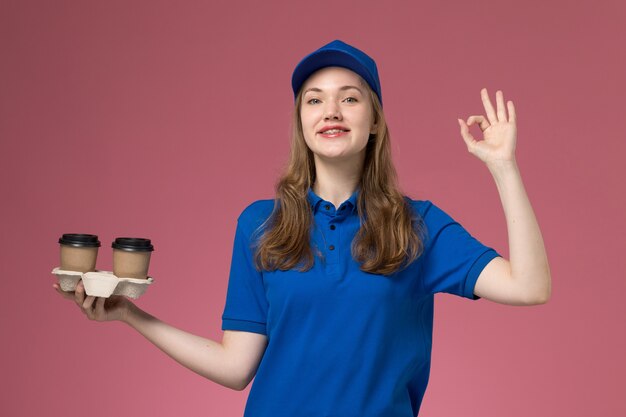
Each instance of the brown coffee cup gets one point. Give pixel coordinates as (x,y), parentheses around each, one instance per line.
(79,252)
(131,257)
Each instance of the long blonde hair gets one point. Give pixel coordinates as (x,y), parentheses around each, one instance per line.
(390,236)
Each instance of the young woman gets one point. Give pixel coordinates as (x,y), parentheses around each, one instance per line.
(330,295)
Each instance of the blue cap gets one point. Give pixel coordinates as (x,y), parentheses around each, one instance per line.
(337,54)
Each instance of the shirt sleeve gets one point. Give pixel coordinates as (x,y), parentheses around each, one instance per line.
(246,304)
(453,258)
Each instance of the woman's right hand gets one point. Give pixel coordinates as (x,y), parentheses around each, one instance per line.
(97,308)
(224,364)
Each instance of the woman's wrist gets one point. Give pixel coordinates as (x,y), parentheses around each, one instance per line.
(502,166)
(129,311)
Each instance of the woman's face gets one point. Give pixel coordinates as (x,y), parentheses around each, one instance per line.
(336,96)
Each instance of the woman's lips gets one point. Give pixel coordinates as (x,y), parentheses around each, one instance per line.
(334,135)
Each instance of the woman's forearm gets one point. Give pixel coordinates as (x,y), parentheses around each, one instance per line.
(206,357)
(529,262)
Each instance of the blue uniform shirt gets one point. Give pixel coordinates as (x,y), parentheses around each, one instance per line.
(343,342)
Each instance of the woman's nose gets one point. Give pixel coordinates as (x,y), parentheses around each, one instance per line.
(332,111)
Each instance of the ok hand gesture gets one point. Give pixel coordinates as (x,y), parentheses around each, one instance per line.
(499,131)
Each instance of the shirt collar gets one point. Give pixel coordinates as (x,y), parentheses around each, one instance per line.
(315,200)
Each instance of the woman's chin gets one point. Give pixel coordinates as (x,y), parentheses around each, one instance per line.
(330,156)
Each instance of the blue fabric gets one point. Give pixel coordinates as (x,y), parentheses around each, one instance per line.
(337,54)
(342,342)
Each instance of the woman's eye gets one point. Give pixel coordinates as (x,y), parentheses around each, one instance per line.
(315,100)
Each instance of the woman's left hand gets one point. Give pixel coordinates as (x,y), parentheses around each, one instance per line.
(499,131)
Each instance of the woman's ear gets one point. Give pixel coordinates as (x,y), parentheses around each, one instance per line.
(374,129)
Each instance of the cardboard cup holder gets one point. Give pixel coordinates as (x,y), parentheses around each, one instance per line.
(102,283)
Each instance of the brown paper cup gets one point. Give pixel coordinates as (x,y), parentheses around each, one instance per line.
(78,259)
(79,252)
(131,257)
(131,264)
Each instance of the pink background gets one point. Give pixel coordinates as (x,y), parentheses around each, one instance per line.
(165,119)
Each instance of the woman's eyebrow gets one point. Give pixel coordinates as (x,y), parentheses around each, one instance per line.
(345,87)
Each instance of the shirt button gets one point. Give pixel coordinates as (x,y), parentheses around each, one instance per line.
(327,206)
(332,227)
(331,247)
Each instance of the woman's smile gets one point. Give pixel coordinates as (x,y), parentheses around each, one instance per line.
(333,130)
(334,133)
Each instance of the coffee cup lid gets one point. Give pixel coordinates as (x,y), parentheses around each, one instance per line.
(80,240)
(133,244)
